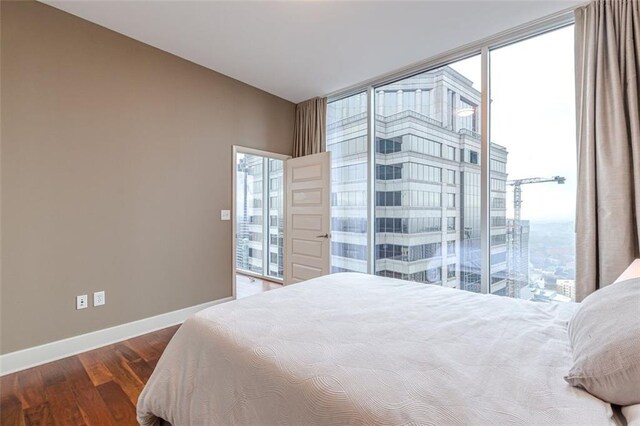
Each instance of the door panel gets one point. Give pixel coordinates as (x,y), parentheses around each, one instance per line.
(308,217)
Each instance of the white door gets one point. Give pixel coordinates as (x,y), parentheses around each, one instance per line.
(308,214)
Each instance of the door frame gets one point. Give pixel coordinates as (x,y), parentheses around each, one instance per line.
(239,149)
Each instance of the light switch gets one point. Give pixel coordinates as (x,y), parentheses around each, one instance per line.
(225,214)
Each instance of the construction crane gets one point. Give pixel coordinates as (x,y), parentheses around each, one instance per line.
(518,279)
(517,190)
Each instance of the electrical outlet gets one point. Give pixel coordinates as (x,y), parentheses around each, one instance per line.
(99,298)
(82,302)
(225,214)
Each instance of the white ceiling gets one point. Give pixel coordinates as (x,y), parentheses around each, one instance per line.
(300,49)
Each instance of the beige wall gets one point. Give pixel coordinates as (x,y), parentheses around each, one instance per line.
(116,162)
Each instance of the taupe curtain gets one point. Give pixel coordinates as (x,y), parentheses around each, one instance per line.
(309,133)
(608,120)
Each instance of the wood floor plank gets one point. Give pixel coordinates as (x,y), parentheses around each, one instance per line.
(11,411)
(95,368)
(64,408)
(158,344)
(153,362)
(142,346)
(159,341)
(94,409)
(30,388)
(122,375)
(39,415)
(51,374)
(141,369)
(127,351)
(8,386)
(166,334)
(88,400)
(75,373)
(121,409)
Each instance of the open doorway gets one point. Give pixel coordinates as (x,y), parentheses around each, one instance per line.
(258,220)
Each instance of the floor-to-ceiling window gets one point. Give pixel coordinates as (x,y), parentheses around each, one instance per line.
(533,125)
(259,215)
(442,214)
(347,140)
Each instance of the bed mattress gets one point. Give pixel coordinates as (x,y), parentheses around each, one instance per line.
(360,349)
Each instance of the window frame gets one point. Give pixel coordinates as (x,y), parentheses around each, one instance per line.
(482,48)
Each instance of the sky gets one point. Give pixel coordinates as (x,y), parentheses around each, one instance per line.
(533,116)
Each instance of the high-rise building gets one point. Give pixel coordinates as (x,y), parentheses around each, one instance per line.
(566,288)
(427,183)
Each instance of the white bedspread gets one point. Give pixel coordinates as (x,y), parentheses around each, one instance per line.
(358,349)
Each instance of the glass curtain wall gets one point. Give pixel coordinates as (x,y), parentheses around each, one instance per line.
(533,126)
(427,178)
(259,215)
(347,140)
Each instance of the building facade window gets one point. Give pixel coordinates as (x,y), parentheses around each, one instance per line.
(349,198)
(349,173)
(451,177)
(451,201)
(389,172)
(449,153)
(473,157)
(351,251)
(388,199)
(424,172)
(451,271)
(451,248)
(349,224)
(388,146)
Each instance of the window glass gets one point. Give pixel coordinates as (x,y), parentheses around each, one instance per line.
(347,142)
(276,213)
(533,168)
(252,204)
(422,122)
(427,174)
(249,212)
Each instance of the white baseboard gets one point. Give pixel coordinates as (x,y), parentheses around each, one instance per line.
(31,357)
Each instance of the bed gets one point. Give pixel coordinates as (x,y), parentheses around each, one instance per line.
(359,349)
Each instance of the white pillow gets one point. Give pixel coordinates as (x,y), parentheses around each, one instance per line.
(605,340)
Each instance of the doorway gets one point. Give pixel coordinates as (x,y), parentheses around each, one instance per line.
(258,219)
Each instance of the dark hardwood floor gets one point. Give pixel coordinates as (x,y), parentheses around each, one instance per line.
(98,387)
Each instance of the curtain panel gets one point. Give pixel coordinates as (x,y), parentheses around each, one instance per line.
(607,35)
(310,129)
